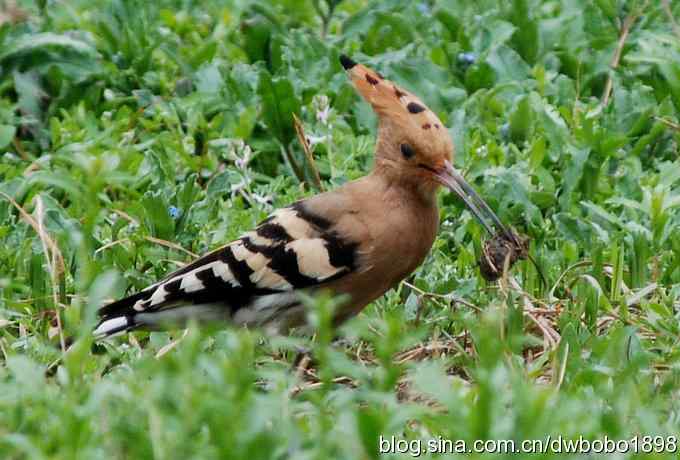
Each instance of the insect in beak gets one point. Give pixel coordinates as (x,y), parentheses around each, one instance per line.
(454,181)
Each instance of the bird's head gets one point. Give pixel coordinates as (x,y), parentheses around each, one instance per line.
(410,136)
(412,142)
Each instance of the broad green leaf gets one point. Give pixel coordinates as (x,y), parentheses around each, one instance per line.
(43,41)
(279,103)
(479,75)
(6,135)
(157,216)
(521,121)
(526,38)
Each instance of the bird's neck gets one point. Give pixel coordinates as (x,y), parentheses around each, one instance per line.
(424,192)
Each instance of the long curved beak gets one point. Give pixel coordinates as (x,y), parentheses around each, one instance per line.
(454,181)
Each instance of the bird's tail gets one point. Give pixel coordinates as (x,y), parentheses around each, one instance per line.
(113,326)
(120,316)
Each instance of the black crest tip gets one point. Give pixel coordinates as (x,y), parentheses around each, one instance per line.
(346,62)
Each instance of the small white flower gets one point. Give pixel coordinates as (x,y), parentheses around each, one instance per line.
(323,109)
(235,188)
(313,140)
(322,115)
(127,137)
(246,154)
(265,200)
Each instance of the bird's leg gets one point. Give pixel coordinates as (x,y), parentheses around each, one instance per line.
(303,361)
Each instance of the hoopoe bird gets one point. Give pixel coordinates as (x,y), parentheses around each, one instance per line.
(360,239)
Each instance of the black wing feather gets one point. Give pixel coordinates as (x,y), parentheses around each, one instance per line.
(271,255)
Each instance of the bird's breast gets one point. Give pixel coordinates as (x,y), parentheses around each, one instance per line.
(399,242)
(405,239)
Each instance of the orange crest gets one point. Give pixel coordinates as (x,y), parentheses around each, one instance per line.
(403,116)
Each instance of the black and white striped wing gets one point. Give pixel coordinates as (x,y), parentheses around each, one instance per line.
(249,281)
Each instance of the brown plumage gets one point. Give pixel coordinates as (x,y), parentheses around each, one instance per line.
(360,239)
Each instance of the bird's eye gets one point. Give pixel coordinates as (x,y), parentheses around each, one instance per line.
(407,151)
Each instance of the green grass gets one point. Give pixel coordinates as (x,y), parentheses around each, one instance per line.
(132,132)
